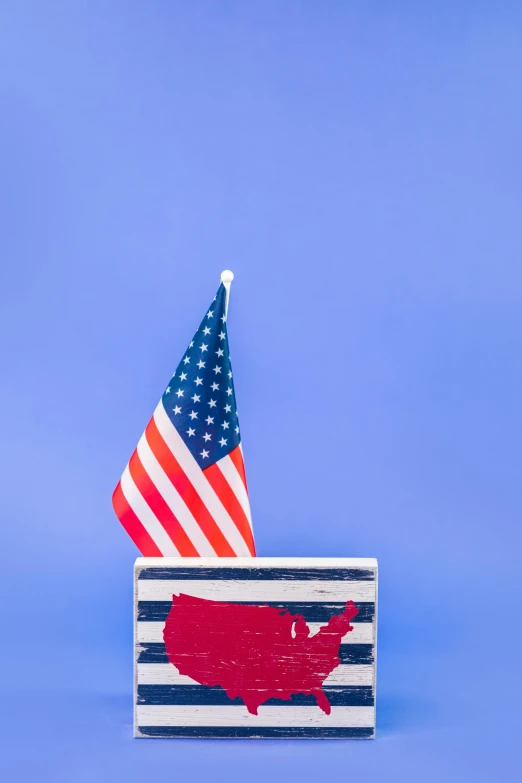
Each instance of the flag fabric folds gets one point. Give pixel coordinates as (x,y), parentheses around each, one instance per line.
(184,491)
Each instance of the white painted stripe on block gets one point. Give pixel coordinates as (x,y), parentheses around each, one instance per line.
(167,674)
(173,499)
(258,562)
(198,480)
(257,590)
(362,632)
(351,674)
(146,516)
(214,715)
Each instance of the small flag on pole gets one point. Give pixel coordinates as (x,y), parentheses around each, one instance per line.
(184,492)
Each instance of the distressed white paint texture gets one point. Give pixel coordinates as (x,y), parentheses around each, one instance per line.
(362,632)
(261,591)
(210,715)
(167,674)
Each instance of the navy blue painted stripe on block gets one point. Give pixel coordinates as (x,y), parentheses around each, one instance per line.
(356,653)
(263,574)
(338,696)
(154,652)
(268,732)
(313,612)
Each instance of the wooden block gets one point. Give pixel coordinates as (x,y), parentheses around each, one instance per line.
(255,647)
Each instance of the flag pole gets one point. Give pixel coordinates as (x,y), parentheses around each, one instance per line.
(226,278)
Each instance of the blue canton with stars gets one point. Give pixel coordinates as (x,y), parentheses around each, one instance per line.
(200,399)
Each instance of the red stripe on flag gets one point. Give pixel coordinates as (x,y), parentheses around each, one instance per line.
(225,493)
(190,497)
(132,524)
(237,458)
(160,509)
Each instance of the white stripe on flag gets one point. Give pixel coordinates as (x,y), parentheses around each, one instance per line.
(235,481)
(214,715)
(198,480)
(172,498)
(147,518)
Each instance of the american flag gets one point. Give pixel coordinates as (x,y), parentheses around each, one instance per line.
(184,491)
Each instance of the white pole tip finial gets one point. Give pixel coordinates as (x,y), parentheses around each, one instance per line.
(227,276)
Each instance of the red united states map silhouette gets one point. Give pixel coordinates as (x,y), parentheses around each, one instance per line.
(255,653)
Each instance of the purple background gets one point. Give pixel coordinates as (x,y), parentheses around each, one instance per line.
(357,165)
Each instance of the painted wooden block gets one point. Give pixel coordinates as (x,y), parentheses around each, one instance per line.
(255,647)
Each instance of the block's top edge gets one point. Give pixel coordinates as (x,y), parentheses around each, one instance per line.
(255,562)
